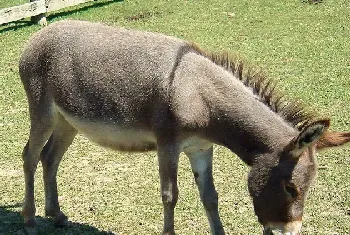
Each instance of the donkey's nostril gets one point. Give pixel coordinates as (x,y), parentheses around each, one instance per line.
(274,231)
(267,231)
(290,228)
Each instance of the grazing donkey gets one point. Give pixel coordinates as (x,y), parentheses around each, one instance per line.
(139,91)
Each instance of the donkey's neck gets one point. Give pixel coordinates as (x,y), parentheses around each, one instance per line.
(238,119)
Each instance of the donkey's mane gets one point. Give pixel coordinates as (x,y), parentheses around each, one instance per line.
(291,110)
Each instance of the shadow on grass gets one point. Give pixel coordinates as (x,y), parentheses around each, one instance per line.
(312,1)
(13,26)
(11,222)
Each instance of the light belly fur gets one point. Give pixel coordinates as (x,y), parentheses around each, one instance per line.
(114,136)
(122,138)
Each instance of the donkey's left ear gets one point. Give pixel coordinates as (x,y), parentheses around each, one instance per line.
(308,136)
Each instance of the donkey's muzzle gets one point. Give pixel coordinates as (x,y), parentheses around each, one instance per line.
(291,228)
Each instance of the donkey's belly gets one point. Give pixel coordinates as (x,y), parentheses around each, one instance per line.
(114,136)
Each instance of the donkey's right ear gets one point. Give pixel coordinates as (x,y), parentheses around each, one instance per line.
(308,136)
(333,139)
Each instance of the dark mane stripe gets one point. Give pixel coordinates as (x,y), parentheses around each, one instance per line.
(291,110)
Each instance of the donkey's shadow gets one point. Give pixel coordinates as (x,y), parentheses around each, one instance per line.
(11,222)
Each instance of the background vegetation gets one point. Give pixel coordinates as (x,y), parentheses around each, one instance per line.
(305,46)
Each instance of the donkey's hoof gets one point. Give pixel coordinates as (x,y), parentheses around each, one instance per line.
(61,220)
(29,227)
(28,231)
(169,233)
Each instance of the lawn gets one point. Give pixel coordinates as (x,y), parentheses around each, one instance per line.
(304,46)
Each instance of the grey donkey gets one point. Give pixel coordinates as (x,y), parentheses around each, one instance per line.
(141,91)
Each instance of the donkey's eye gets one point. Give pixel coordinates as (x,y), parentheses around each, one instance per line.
(291,190)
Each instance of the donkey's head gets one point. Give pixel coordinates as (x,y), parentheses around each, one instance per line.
(279,181)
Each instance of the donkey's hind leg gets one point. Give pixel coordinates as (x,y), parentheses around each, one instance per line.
(42,125)
(61,138)
(201,163)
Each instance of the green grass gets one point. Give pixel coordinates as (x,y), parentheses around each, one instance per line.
(11,3)
(305,46)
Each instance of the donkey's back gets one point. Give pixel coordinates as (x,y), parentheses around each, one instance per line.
(109,83)
(99,69)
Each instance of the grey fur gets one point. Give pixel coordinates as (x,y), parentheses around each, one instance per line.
(137,91)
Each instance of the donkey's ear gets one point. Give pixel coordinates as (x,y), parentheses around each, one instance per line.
(308,136)
(333,139)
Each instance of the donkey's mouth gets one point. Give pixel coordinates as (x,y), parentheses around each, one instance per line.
(291,228)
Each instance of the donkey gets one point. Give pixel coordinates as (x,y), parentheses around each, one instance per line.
(141,91)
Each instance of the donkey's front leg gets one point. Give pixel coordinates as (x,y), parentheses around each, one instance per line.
(201,163)
(168,157)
